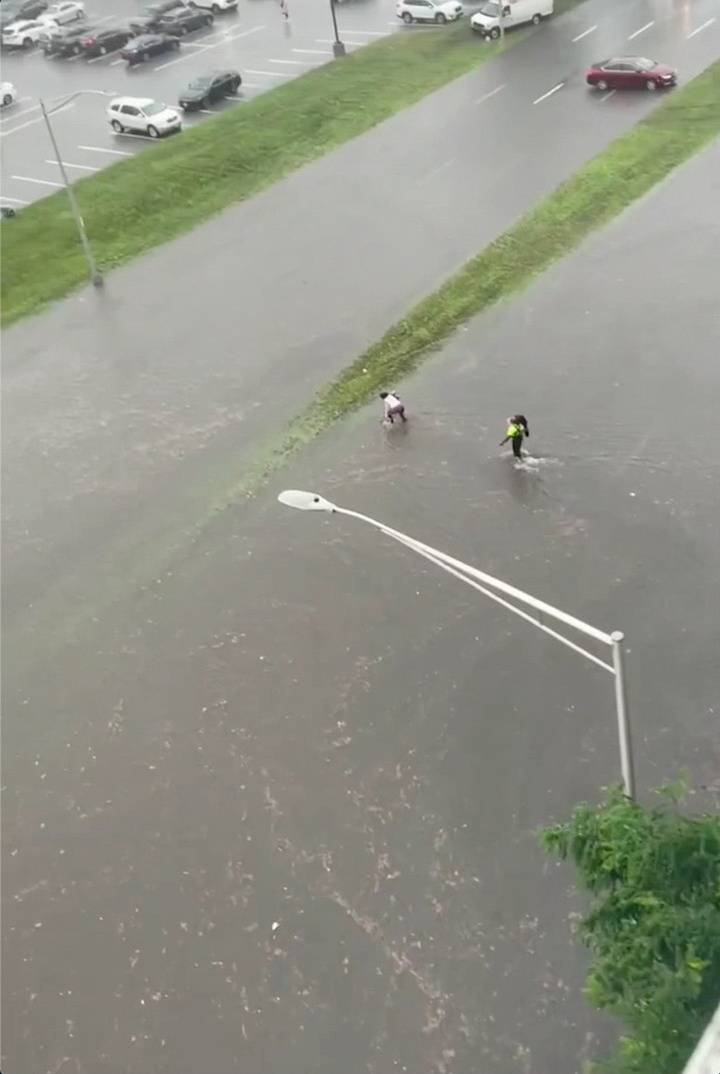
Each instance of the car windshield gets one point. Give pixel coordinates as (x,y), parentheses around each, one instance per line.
(491,10)
(644,64)
(153,108)
(200,83)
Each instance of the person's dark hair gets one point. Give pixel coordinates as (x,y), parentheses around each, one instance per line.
(384,395)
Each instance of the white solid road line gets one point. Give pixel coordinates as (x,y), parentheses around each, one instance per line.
(42,182)
(700,29)
(584,34)
(549,93)
(116,62)
(608,95)
(18,201)
(270,74)
(101,149)
(205,48)
(105,56)
(487,96)
(313,51)
(299,63)
(81,167)
(38,119)
(642,30)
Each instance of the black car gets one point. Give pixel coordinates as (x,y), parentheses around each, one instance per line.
(106,39)
(141,48)
(147,23)
(211,87)
(182,22)
(13,10)
(64,40)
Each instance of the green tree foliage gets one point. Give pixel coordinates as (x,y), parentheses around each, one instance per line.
(653,926)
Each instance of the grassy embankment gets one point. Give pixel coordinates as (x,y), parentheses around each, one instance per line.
(140,203)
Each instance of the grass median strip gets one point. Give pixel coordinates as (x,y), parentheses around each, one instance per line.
(683,124)
(138,204)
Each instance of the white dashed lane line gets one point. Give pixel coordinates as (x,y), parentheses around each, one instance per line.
(608,95)
(41,182)
(101,149)
(268,74)
(699,29)
(15,201)
(584,34)
(313,51)
(492,93)
(80,167)
(298,63)
(549,93)
(636,33)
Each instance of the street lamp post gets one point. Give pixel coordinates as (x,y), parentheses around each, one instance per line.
(499,592)
(338,46)
(93,270)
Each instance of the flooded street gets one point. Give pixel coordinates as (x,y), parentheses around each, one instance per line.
(274,810)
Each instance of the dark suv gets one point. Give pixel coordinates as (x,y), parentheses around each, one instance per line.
(14,10)
(147,23)
(178,23)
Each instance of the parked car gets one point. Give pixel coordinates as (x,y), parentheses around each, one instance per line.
(66,11)
(63,40)
(147,23)
(630,72)
(9,94)
(15,10)
(486,21)
(103,40)
(24,34)
(211,87)
(216,6)
(143,116)
(142,48)
(428,11)
(183,22)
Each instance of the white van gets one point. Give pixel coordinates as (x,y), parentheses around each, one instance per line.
(486,21)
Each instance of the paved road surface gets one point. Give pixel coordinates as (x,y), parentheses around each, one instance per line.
(277,815)
(121,436)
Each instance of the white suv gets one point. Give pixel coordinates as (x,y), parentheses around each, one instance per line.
(428,11)
(27,33)
(216,6)
(142,115)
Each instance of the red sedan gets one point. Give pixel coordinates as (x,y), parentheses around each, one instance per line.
(630,72)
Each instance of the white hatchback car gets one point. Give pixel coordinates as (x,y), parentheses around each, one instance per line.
(66,11)
(428,11)
(216,6)
(142,115)
(26,33)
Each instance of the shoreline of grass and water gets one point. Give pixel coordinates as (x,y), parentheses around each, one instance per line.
(136,205)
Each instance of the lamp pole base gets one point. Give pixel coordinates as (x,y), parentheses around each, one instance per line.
(338,49)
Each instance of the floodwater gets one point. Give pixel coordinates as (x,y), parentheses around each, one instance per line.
(274,810)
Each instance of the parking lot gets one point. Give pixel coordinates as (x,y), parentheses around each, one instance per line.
(256,40)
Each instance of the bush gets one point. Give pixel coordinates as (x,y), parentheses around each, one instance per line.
(653,926)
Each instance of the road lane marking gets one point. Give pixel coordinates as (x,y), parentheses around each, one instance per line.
(81,167)
(42,182)
(206,112)
(549,93)
(171,63)
(641,30)
(487,96)
(699,29)
(299,63)
(270,74)
(584,34)
(367,33)
(206,48)
(18,201)
(105,55)
(314,51)
(116,62)
(38,119)
(22,112)
(608,95)
(101,149)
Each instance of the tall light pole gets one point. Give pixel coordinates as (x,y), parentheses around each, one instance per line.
(493,588)
(338,46)
(93,270)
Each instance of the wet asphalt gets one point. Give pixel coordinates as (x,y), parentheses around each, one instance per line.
(274,810)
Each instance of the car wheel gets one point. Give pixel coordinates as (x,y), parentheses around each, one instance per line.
(215,9)
(601,85)
(153,131)
(117,126)
(209,20)
(176,45)
(407,18)
(536,19)
(651,85)
(440,18)
(495,33)
(27,42)
(235,85)
(7,99)
(103,50)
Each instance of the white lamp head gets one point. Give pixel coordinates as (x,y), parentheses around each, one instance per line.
(305,501)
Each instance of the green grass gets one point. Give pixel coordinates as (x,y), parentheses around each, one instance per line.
(138,204)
